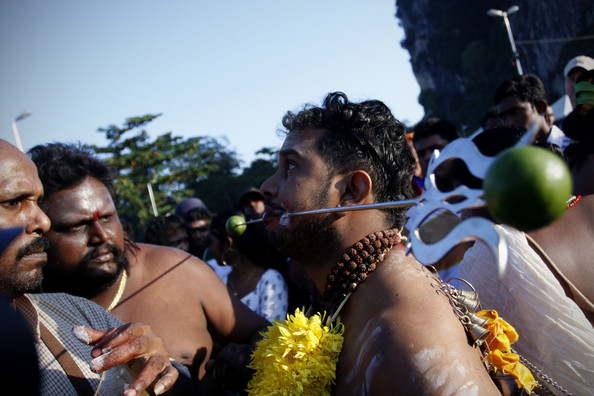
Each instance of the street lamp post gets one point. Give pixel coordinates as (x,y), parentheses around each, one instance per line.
(505,14)
(17,137)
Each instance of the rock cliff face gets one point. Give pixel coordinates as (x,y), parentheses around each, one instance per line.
(459,54)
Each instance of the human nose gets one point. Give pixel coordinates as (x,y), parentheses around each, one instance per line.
(98,233)
(40,224)
(270,186)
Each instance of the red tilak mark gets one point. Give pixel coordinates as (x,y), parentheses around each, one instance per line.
(96,215)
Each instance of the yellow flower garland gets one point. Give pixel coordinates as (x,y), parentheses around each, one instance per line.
(499,356)
(297,356)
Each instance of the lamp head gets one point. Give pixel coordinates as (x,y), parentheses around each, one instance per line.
(495,13)
(23,115)
(512,10)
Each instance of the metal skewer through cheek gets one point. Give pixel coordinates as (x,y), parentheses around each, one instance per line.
(432,200)
(379,205)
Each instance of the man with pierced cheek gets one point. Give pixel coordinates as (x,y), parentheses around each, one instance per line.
(400,335)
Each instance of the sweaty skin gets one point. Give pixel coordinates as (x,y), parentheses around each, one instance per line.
(399,330)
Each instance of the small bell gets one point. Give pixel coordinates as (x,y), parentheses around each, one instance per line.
(478,333)
(472,294)
(469,299)
(476,319)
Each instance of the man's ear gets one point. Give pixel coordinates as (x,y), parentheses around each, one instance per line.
(541,107)
(357,188)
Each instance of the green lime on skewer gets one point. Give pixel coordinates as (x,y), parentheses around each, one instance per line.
(527,187)
(235,226)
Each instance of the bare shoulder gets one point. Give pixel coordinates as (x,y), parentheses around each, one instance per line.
(158,258)
(404,291)
(400,329)
(569,243)
(171,265)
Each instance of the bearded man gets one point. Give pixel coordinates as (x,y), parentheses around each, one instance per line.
(176,293)
(401,335)
(67,366)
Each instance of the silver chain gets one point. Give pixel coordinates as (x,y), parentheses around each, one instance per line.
(543,376)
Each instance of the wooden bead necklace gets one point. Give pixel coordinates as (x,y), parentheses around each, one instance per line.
(360,259)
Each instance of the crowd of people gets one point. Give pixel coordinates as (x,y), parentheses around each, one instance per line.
(182,311)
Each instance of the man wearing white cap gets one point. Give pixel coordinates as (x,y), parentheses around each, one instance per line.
(574,68)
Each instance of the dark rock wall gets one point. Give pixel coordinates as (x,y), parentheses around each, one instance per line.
(459,54)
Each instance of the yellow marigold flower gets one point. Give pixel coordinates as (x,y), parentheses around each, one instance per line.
(502,333)
(297,356)
(509,363)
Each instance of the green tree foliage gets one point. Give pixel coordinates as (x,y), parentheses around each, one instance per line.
(220,190)
(169,163)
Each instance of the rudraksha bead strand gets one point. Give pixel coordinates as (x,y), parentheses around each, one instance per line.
(355,266)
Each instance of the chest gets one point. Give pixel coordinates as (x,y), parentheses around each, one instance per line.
(172,312)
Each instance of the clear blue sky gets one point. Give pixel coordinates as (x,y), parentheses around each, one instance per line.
(213,68)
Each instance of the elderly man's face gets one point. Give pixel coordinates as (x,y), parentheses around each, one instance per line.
(20,191)
(86,238)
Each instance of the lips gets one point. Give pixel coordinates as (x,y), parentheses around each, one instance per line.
(34,251)
(102,256)
(272,212)
(35,256)
(40,258)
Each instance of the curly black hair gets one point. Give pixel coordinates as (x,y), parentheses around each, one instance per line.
(63,165)
(362,136)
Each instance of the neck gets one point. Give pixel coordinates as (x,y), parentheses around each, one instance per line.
(350,229)
(244,268)
(353,267)
(106,297)
(543,129)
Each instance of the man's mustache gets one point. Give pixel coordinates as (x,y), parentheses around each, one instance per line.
(273,206)
(40,244)
(113,249)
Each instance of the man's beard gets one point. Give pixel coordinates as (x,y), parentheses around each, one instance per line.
(17,282)
(311,239)
(85,283)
